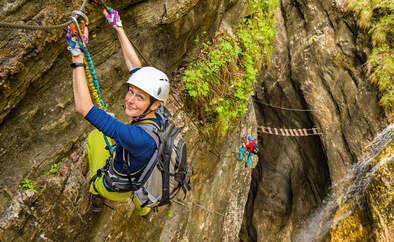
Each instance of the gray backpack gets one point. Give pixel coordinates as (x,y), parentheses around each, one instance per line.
(167,171)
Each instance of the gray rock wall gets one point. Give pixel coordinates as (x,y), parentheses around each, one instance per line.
(43,126)
(316,65)
(39,126)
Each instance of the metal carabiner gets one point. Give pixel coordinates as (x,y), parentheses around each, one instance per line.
(75,26)
(76,30)
(76,13)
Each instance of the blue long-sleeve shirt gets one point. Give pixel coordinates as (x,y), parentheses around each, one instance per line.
(133,138)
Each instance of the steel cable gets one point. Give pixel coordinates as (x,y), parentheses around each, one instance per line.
(39,27)
(283,108)
(51,27)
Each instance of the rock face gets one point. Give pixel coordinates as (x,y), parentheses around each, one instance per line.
(316,65)
(39,126)
(365,211)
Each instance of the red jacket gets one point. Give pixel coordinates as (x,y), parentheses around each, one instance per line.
(249,147)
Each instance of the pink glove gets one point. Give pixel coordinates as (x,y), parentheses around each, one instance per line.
(73,41)
(73,44)
(113,18)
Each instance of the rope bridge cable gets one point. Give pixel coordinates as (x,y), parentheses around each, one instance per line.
(290,132)
(39,27)
(288,109)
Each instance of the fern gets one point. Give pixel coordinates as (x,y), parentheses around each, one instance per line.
(217,86)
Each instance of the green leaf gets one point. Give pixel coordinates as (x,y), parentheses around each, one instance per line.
(218,84)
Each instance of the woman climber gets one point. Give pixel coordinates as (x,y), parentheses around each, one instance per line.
(147,88)
(248,149)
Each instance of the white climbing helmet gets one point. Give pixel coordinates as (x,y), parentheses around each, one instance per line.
(152,81)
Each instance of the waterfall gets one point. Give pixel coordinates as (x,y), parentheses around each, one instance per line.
(349,190)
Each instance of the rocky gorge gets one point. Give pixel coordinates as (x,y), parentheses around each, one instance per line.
(297,189)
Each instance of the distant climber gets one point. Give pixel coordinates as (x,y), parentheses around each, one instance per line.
(147,88)
(247,148)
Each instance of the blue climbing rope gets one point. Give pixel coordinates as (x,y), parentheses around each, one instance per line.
(111,149)
(93,73)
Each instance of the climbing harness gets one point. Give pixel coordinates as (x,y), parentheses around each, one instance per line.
(113,179)
(116,181)
(289,132)
(165,174)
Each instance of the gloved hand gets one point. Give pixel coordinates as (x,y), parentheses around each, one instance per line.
(73,41)
(113,17)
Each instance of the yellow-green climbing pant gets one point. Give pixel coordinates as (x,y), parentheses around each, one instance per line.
(97,157)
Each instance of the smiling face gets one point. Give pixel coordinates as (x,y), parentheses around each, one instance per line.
(136,101)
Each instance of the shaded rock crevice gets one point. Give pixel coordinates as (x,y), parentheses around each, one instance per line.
(316,65)
(40,128)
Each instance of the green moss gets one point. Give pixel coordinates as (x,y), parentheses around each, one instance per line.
(55,168)
(373,219)
(349,227)
(217,86)
(365,18)
(380,193)
(26,184)
(377,17)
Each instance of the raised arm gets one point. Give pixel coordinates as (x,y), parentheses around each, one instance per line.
(129,54)
(82,99)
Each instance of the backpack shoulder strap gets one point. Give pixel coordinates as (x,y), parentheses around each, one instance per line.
(150,123)
(152,128)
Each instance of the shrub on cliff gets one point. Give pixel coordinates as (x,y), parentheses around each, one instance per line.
(377,17)
(217,86)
